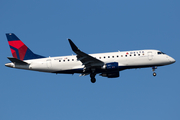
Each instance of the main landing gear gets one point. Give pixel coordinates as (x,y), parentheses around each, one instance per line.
(153,69)
(93,79)
(92,75)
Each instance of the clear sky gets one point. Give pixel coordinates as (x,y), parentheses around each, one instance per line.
(95,26)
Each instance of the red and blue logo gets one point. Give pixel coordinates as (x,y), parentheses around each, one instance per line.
(19,50)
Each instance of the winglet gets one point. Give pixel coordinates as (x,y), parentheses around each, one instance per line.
(73,46)
(17,61)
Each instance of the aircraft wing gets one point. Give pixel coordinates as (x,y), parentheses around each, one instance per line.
(87,60)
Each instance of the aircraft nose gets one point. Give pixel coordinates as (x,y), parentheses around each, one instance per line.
(172,60)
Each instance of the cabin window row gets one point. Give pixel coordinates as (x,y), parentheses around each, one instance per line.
(133,55)
(105,57)
(66,60)
(121,56)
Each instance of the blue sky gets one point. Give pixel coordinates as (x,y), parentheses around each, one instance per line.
(95,27)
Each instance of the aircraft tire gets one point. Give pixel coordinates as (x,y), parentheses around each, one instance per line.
(154,74)
(93,80)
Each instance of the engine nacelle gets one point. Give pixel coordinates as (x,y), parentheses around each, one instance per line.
(110,75)
(112,70)
(112,66)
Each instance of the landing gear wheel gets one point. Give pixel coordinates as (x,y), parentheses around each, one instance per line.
(93,80)
(154,74)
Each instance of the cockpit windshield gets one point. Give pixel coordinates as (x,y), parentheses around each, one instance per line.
(160,53)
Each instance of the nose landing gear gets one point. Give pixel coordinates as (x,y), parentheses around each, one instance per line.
(154,74)
(153,69)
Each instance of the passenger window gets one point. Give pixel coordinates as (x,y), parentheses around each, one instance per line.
(126,55)
(104,57)
(112,56)
(72,59)
(59,60)
(108,56)
(117,56)
(121,55)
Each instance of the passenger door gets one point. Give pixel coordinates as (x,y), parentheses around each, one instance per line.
(48,63)
(150,55)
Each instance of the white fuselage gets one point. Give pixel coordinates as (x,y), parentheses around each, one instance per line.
(125,60)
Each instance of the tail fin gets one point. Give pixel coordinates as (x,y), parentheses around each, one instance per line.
(19,50)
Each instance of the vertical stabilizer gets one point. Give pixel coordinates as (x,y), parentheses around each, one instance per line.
(19,50)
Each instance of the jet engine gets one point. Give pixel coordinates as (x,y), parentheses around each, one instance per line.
(112,70)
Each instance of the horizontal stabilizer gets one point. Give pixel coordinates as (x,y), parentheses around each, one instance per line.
(17,61)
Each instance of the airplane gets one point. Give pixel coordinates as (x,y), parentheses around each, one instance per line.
(105,64)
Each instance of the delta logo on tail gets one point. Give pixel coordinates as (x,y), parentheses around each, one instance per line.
(19,50)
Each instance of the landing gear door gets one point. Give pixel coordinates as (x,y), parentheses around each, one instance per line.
(150,55)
